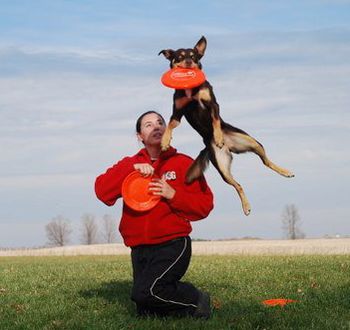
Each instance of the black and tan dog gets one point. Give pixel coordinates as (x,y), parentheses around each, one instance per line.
(201,110)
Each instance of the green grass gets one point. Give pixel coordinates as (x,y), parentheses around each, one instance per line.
(93,293)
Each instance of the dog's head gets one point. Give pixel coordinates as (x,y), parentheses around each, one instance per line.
(186,58)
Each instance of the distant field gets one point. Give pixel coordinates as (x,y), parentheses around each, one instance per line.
(92,292)
(233,247)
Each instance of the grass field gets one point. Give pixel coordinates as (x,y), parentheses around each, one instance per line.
(92,292)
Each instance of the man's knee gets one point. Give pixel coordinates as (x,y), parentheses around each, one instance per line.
(150,294)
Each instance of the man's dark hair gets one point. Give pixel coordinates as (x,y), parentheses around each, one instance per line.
(139,120)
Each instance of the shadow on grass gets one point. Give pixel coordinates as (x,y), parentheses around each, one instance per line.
(314,310)
(115,292)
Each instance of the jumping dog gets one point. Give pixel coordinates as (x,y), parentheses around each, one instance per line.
(201,110)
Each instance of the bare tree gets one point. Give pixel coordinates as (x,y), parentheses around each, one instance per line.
(58,231)
(89,229)
(109,229)
(291,222)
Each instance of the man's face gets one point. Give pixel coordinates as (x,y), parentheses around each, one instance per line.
(152,130)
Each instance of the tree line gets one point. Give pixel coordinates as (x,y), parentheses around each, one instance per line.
(59,230)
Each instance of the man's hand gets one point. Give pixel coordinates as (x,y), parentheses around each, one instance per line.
(144,168)
(160,187)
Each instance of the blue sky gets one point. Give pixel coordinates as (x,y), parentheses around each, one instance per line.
(75,75)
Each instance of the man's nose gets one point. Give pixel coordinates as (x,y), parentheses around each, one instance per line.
(158,126)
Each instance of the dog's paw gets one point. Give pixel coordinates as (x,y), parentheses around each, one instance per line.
(220,143)
(288,174)
(165,147)
(218,138)
(165,144)
(246,209)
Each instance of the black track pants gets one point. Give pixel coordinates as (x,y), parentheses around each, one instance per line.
(157,270)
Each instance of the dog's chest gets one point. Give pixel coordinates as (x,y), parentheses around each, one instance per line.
(199,118)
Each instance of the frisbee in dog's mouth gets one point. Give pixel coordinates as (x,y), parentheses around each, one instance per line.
(183,78)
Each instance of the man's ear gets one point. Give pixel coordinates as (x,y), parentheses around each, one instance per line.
(168,53)
(200,46)
(139,138)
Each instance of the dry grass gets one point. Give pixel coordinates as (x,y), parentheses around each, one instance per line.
(232,247)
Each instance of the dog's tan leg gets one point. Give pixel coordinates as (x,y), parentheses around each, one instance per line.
(280,170)
(222,161)
(203,97)
(238,142)
(166,138)
(217,132)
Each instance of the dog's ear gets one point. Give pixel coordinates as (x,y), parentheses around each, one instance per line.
(200,46)
(168,53)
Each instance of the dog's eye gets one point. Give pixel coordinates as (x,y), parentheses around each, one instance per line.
(180,58)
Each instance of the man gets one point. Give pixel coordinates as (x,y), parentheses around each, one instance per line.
(159,238)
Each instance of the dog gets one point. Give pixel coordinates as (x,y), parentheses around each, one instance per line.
(201,110)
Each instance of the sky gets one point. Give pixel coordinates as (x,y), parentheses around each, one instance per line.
(75,75)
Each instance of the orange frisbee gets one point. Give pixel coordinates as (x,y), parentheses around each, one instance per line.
(278,302)
(182,78)
(136,194)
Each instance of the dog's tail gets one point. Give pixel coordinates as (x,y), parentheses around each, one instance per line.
(198,167)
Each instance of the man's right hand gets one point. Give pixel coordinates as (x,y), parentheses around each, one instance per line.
(144,168)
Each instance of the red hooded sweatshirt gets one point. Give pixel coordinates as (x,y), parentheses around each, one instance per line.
(169,219)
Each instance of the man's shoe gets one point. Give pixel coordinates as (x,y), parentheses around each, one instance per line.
(203,309)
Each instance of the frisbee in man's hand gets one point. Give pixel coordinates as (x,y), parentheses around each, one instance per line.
(183,78)
(278,302)
(136,193)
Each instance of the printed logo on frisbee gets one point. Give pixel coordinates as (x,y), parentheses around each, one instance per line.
(183,75)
